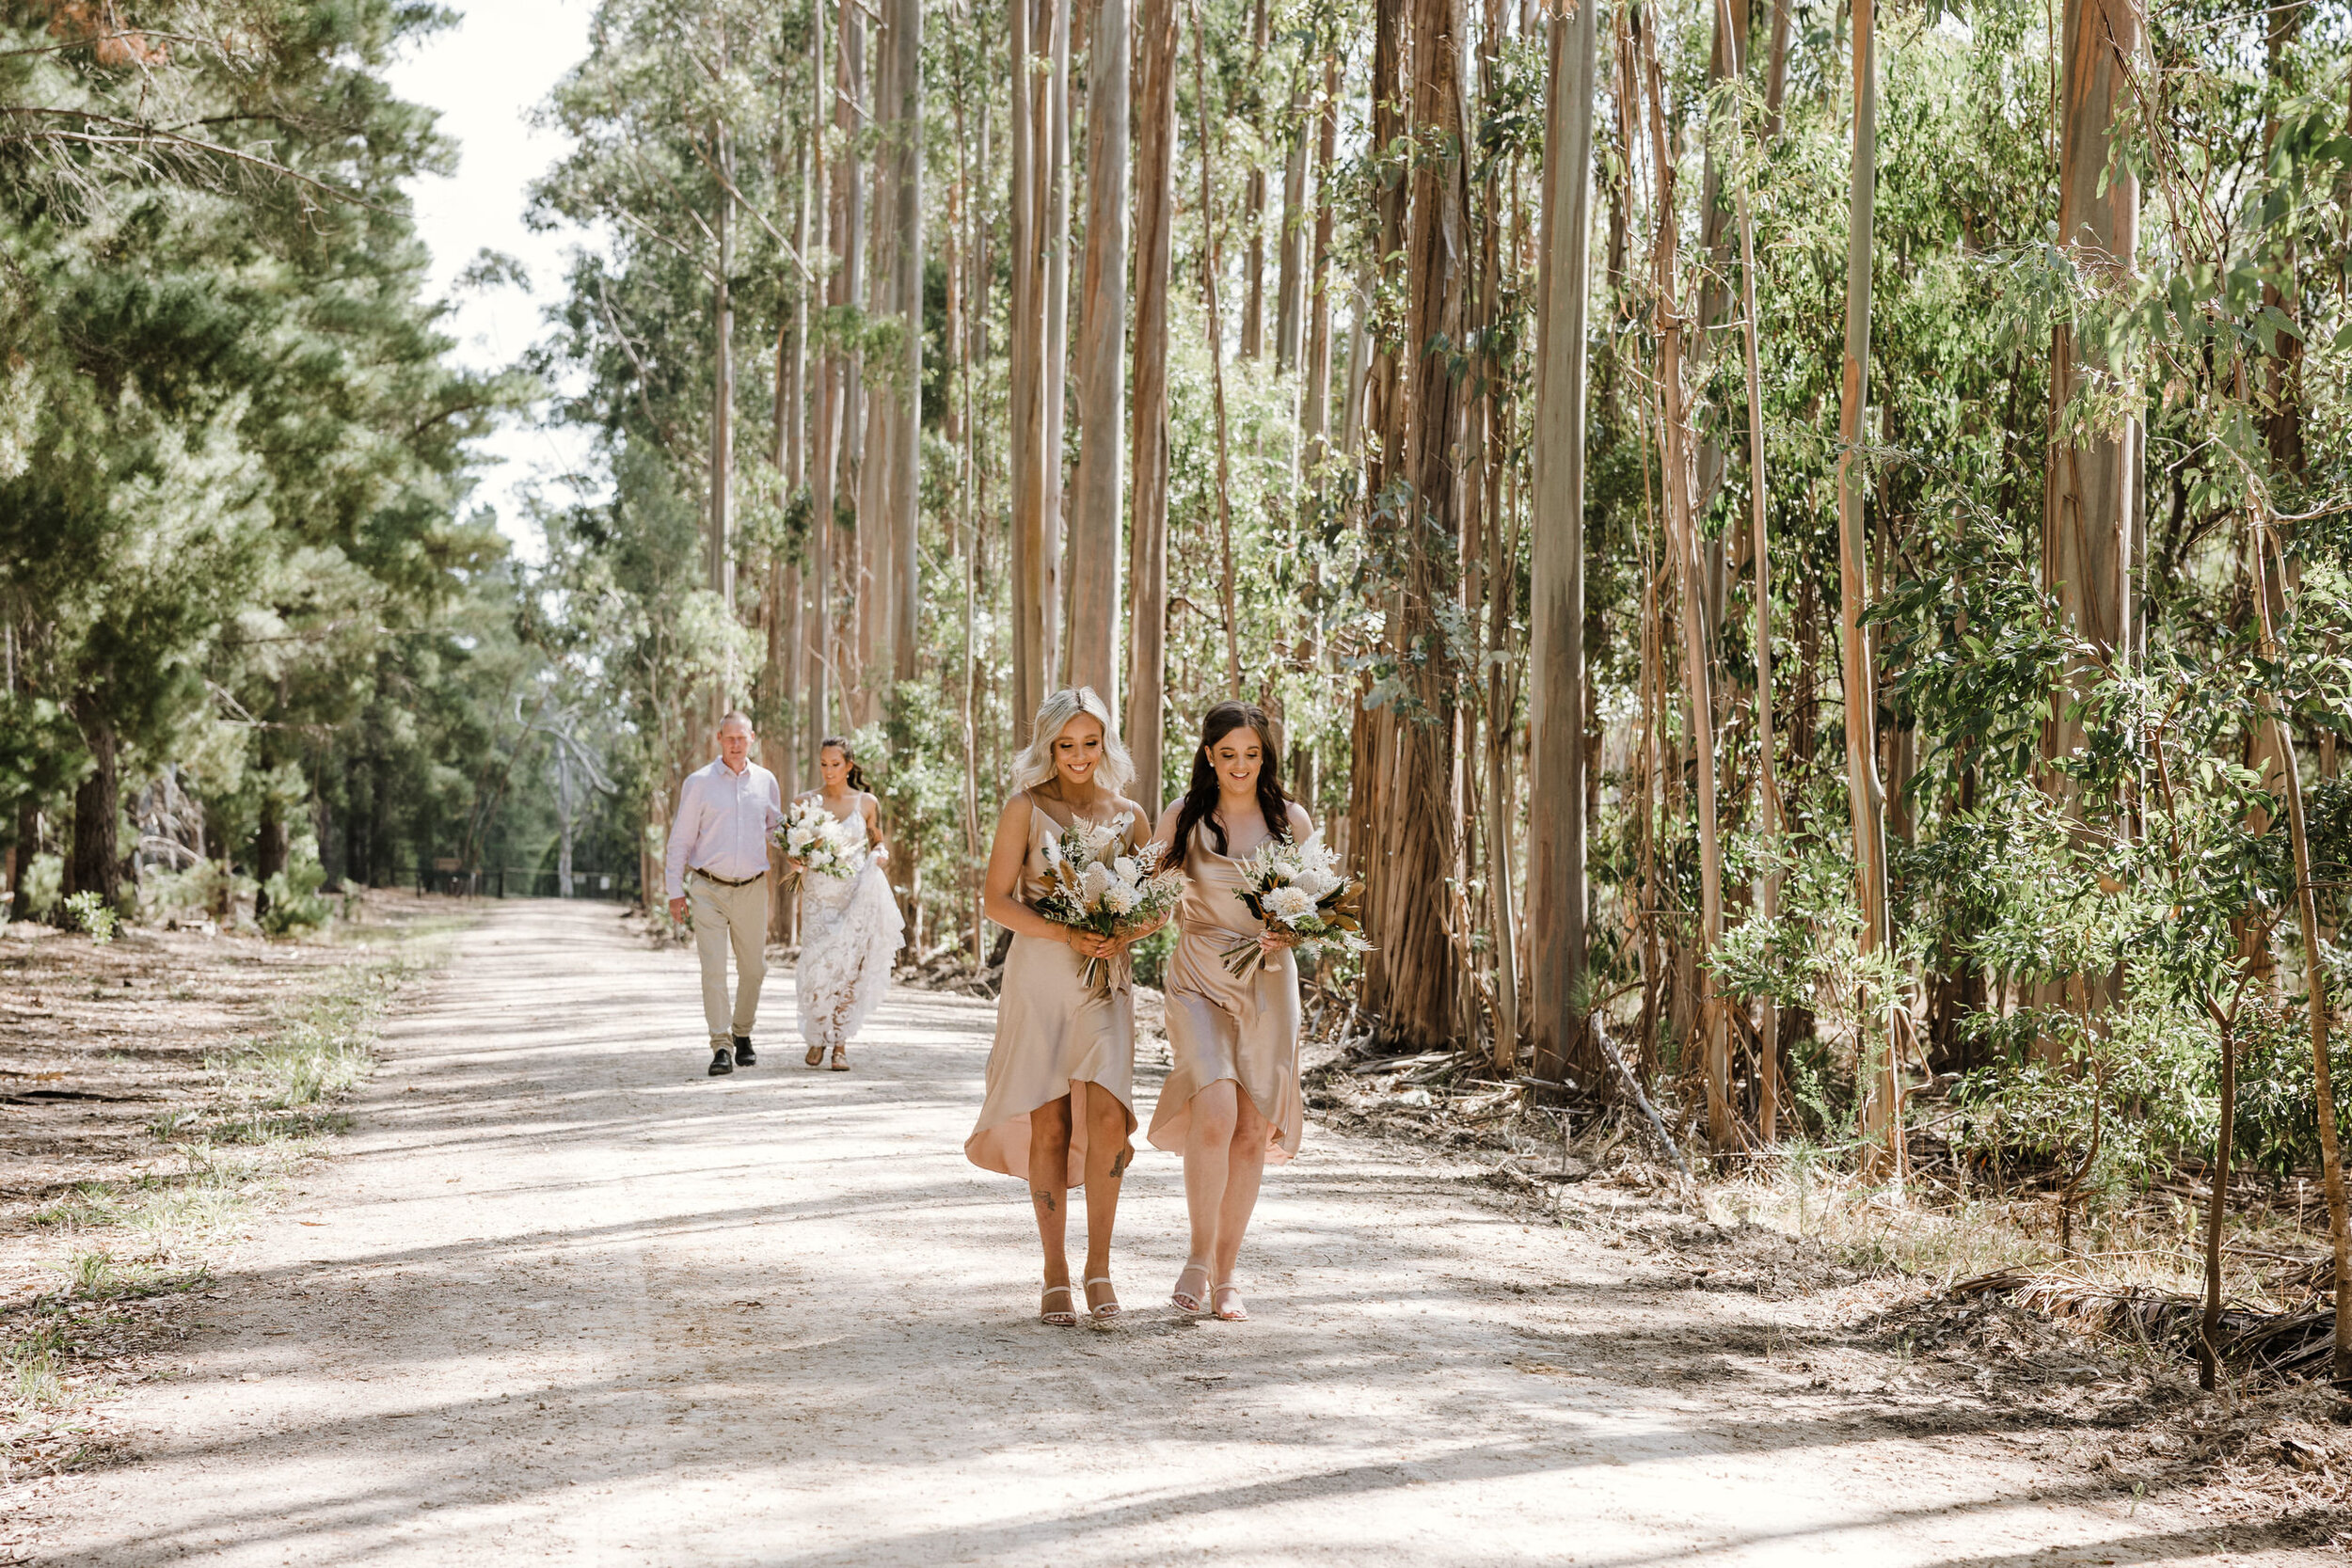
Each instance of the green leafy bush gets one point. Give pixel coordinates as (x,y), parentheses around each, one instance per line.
(44,883)
(87,911)
(295,903)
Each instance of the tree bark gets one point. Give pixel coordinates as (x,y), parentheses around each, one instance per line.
(1866,800)
(1556,888)
(1216,332)
(1035,522)
(1253,201)
(1102,368)
(97,857)
(905,587)
(1147,545)
(1291,271)
(1314,398)
(721,546)
(849,368)
(815,646)
(1411,982)
(2092,494)
(2316,981)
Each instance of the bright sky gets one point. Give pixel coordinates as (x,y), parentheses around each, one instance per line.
(484,75)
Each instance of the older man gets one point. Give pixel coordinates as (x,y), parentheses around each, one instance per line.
(719,837)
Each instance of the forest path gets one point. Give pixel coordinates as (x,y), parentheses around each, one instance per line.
(561,1296)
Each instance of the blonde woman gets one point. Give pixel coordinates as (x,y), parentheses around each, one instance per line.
(1058,1109)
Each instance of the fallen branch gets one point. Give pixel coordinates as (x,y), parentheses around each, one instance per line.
(1634,1087)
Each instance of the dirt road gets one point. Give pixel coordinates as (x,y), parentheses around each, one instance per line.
(563,1297)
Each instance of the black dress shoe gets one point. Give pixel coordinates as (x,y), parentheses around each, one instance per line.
(743,1056)
(720,1063)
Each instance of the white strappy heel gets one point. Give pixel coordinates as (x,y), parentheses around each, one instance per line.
(1059,1320)
(1236,1312)
(1190,1301)
(1109,1308)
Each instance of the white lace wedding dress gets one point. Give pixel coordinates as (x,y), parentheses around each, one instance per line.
(851,928)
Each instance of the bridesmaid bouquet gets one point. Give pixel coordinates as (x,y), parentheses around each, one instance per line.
(1090,887)
(812,835)
(1298,889)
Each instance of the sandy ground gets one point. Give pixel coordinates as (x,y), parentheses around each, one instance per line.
(563,1297)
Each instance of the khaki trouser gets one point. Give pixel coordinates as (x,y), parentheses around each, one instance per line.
(729,917)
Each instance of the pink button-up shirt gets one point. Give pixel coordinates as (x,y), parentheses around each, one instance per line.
(723,822)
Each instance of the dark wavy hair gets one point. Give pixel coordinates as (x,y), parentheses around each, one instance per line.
(1201,794)
(841,743)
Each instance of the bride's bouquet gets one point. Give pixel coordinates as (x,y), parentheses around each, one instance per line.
(1297,889)
(820,841)
(1090,887)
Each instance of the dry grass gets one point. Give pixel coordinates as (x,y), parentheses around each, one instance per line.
(238,1118)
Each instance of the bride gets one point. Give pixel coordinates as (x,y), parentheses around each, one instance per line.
(851,927)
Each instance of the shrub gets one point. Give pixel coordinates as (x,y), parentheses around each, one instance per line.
(87,911)
(44,882)
(295,903)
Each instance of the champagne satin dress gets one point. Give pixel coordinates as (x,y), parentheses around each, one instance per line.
(1222,1027)
(1054,1032)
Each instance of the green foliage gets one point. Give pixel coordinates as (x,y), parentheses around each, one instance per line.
(88,912)
(294,902)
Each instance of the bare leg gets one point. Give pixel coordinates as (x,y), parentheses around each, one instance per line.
(1108,1155)
(1244,1167)
(1208,1163)
(1049,1165)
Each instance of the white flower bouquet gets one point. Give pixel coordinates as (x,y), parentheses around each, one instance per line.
(820,841)
(1091,887)
(1298,890)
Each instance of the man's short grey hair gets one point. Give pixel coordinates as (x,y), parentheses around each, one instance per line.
(736,716)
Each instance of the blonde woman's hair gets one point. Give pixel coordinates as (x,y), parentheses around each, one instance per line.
(1035,764)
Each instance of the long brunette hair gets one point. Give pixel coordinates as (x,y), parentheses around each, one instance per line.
(1201,794)
(841,743)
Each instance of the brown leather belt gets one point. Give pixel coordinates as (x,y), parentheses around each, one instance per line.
(723,882)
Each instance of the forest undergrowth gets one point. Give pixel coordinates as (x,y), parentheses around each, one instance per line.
(1961,1307)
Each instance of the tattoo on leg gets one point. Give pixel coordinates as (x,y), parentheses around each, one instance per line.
(1043,1198)
(1121,1161)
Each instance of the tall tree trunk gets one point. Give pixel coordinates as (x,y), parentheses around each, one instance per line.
(1556,891)
(1253,201)
(1035,603)
(1722,66)
(816,641)
(904,591)
(870,599)
(1865,799)
(1410,983)
(1147,543)
(2209,1322)
(722,545)
(1314,398)
(1767,779)
(2092,495)
(1776,69)
(1057,379)
(1216,332)
(1291,272)
(851,478)
(1677,474)
(97,857)
(2316,984)
(1102,368)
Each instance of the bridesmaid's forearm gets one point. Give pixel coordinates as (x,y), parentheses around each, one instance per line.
(1021,920)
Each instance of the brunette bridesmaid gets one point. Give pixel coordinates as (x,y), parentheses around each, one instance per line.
(1060,1078)
(1232,1105)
